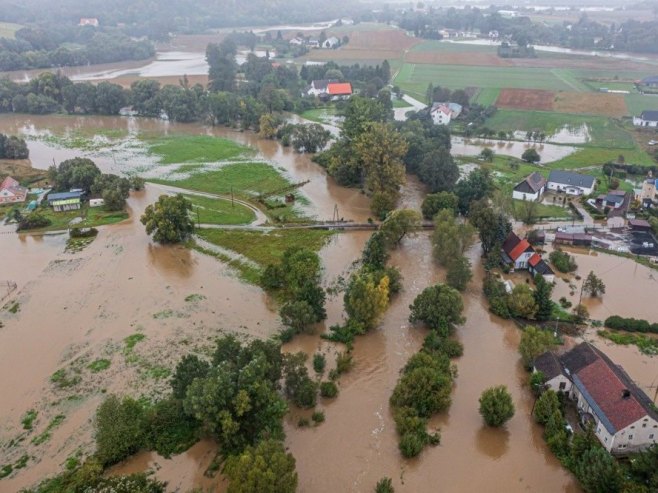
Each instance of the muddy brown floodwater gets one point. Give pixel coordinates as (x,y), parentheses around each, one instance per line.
(75,308)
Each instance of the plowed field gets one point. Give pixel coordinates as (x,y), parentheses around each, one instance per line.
(526,99)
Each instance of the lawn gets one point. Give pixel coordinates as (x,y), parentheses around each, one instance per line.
(637,103)
(217,211)
(321,115)
(261,248)
(486,97)
(593,156)
(244,179)
(400,103)
(8,29)
(547,210)
(94,216)
(196,149)
(604,132)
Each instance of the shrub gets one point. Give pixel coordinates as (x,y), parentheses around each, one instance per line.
(319,363)
(384,485)
(328,390)
(318,417)
(562,261)
(120,426)
(496,406)
(344,363)
(630,324)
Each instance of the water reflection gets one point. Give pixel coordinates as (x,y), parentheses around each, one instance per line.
(492,442)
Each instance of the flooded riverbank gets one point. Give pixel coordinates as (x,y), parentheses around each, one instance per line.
(473,147)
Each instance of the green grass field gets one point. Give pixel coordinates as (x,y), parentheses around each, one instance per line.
(245,179)
(487,96)
(546,210)
(216,211)
(8,29)
(196,149)
(432,45)
(592,157)
(320,115)
(94,216)
(637,103)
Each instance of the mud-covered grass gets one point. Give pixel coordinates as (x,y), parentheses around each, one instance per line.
(324,115)
(206,210)
(244,179)
(99,365)
(45,435)
(260,248)
(196,149)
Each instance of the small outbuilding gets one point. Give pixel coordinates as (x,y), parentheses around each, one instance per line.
(96,202)
(65,201)
(639,225)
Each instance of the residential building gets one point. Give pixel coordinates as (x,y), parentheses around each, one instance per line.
(614,199)
(623,416)
(88,21)
(339,90)
(65,201)
(639,225)
(332,42)
(531,188)
(318,87)
(571,183)
(538,266)
(522,256)
(648,190)
(443,113)
(11,191)
(646,119)
(575,239)
(651,81)
(297,41)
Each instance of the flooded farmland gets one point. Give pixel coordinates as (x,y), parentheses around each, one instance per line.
(75,308)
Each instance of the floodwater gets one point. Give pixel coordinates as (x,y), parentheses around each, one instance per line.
(568,134)
(473,147)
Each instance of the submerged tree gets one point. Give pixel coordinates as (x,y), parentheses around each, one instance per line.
(496,406)
(593,285)
(168,219)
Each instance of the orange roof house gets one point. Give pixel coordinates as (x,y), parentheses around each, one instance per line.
(339,89)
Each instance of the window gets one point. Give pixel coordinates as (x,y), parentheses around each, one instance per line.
(644,425)
(651,437)
(630,437)
(606,439)
(563,385)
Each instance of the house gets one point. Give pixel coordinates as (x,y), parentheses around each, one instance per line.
(313,43)
(339,90)
(332,42)
(88,21)
(517,251)
(623,416)
(443,113)
(575,239)
(615,199)
(297,41)
(11,192)
(648,190)
(571,183)
(646,119)
(96,202)
(639,225)
(651,81)
(318,87)
(531,188)
(65,201)
(538,266)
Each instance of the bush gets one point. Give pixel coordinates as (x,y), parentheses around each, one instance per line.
(120,429)
(344,363)
(384,485)
(318,417)
(328,390)
(630,324)
(319,363)
(34,220)
(496,406)
(170,430)
(562,261)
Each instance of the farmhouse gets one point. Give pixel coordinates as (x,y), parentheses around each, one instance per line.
(443,113)
(623,417)
(332,42)
(650,81)
(88,21)
(318,87)
(65,201)
(531,188)
(11,192)
(647,118)
(521,255)
(571,183)
(339,90)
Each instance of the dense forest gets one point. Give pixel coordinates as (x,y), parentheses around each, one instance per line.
(56,46)
(157,19)
(632,35)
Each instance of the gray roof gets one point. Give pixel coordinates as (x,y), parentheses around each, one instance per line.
(532,183)
(64,196)
(549,364)
(650,80)
(573,179)
(650,115)
(614,198)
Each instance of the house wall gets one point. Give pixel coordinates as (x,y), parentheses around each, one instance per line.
(638,436)
(568,189)
(606,439)
(522,261)
(527,196)
(440,118)
(559,384)
(639,122)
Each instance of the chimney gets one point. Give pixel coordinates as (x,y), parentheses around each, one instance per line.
(625,394)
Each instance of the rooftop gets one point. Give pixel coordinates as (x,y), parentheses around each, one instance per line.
(52,197)
(339,88)
(650,115)
(534,182)
(549,364)
(570,178)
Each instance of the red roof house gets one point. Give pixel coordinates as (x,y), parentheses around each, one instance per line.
(11,191)
(339,89)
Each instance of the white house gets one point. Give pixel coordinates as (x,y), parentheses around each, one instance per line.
(296,41)
(88,21)
(646,119)
(571,183)
(318,87)
(96,202)
(332,42)
(531,188)
(11,191)
(517,251)
(443,113)
(623,416)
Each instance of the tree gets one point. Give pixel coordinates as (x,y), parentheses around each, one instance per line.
(265,468)
(534,342)
(521,302)
(547,403)
(119,429)
(297,315)
(531,156)
(298,385)
(380,149)
(543,292)
(459,273)
(593,285)
(310,138)
(562,261)
(496,406)
(438,170)
(168,219)
(477,185)
(375,253)
(487,154)
(599,472)
(223,68)
(366,300)
(434,202)
(188,368)
(493,227)
(110,98)
(527,212)
(439,307)
(267,126)
(581,313)
(450,238)
(76,173)
(399,224)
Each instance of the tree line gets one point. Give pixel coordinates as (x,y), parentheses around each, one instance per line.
(13,147)
(66,46)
